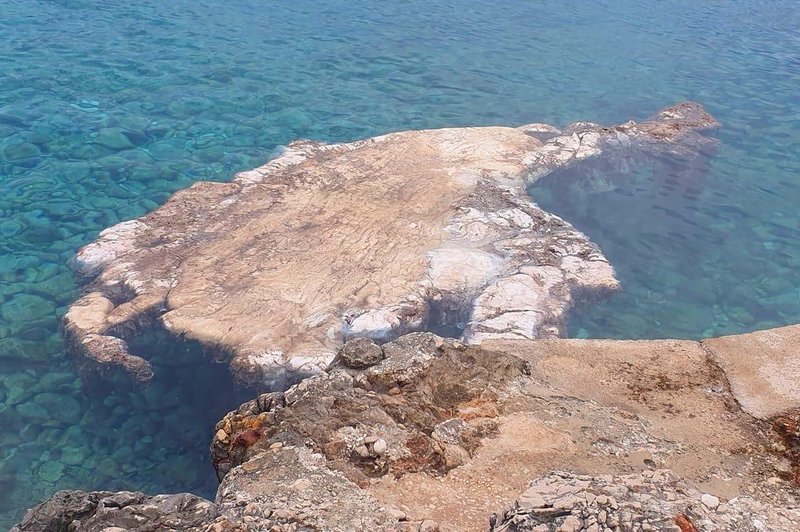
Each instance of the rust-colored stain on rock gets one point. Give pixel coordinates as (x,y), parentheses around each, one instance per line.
(685,524)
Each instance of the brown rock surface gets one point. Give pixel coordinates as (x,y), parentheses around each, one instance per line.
(375,238)
(600,407)
(442,435)
(423,383)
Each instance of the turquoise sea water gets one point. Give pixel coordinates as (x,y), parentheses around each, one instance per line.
(107,107)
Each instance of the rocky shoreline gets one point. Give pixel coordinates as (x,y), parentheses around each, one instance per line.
(314,275)
(409,231)
(427,433)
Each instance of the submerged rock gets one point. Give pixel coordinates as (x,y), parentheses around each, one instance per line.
(50,472)
(61,408)
(374,238)
(26,307)
(115,138)
(21,151)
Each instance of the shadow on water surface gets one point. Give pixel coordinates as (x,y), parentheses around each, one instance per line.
(691,261)
(176,411)
(118,434)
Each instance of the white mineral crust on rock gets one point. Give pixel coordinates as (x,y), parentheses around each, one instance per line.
(376,238)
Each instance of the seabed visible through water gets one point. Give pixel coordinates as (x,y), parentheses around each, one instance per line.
(106,108)
(113,434)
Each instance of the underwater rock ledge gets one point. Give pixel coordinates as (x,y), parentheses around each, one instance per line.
(380,237)
(428,434)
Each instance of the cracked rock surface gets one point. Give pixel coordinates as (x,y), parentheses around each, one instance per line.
(373,238)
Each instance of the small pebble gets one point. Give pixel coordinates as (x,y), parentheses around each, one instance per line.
(709,501)
(379,447)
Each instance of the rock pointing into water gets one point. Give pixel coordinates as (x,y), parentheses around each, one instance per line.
(117,512)
(374,238)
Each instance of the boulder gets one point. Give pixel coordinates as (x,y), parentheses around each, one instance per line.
(359,353)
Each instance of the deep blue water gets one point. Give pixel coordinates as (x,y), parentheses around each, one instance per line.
(107,107)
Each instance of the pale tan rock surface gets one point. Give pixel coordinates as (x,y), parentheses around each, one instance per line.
(763,368)
(599,407)
(467,429)
(374,238)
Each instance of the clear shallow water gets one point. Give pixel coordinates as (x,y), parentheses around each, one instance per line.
(108,107)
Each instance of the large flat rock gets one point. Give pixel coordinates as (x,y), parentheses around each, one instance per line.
(763,369)
(377,238)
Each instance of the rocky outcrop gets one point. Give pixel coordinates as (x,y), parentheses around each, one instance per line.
(426,433)
(376,238)
(459,429)
(318,264)
(404,414)
(102,511)
(292,488)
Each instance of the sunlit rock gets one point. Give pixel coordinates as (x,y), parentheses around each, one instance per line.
(375,238)
(431,434)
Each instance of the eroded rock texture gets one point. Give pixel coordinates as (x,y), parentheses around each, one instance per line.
(446,433)
(427,434)
(407,413)
(374,238)
(653,500)
(102,511)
